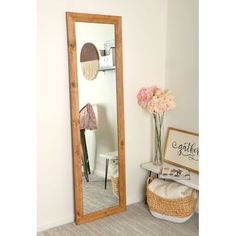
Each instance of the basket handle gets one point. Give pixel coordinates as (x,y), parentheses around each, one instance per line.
(149,180)
(194,193)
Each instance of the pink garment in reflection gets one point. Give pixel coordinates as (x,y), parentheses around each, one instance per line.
(88,118)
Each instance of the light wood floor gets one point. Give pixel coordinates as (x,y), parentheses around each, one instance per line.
(134,222)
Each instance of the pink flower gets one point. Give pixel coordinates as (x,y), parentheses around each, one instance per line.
(145,95)
(156,105)
(156,100)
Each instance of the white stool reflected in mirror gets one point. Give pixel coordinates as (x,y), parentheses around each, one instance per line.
(109,156)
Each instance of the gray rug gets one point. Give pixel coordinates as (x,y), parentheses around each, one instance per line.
(136,221)
(95,196)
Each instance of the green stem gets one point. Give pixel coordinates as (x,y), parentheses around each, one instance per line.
(158,131)
(159,137)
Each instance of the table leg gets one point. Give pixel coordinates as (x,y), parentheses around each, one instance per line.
(85,155)
(106,169)
(85,169)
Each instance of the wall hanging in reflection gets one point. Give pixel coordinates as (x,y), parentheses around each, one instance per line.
(89,59)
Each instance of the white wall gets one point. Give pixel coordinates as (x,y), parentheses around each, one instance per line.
(144,26)
(182,63)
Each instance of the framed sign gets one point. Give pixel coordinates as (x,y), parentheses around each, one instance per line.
(182,149)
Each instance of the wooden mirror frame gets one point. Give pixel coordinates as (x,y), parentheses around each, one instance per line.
(72,18)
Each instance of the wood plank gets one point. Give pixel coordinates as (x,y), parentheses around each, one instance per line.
(75,129)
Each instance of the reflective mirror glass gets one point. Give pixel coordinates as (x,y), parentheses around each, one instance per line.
(97,92)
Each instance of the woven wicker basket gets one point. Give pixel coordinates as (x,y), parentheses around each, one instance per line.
(115,186)
(181,207)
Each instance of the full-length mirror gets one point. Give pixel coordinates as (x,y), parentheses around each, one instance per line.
(97,120)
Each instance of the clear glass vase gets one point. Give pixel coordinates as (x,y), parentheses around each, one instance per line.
(158,153)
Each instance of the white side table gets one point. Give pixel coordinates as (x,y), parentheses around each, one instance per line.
(109,156)
(193,182)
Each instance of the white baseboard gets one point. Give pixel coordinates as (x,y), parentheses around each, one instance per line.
(133,198)
(55,223)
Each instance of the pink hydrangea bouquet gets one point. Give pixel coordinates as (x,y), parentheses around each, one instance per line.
(156,101)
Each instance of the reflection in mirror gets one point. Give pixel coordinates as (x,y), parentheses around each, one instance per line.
(98,114)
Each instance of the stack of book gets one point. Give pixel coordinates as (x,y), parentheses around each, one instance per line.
(174,173)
